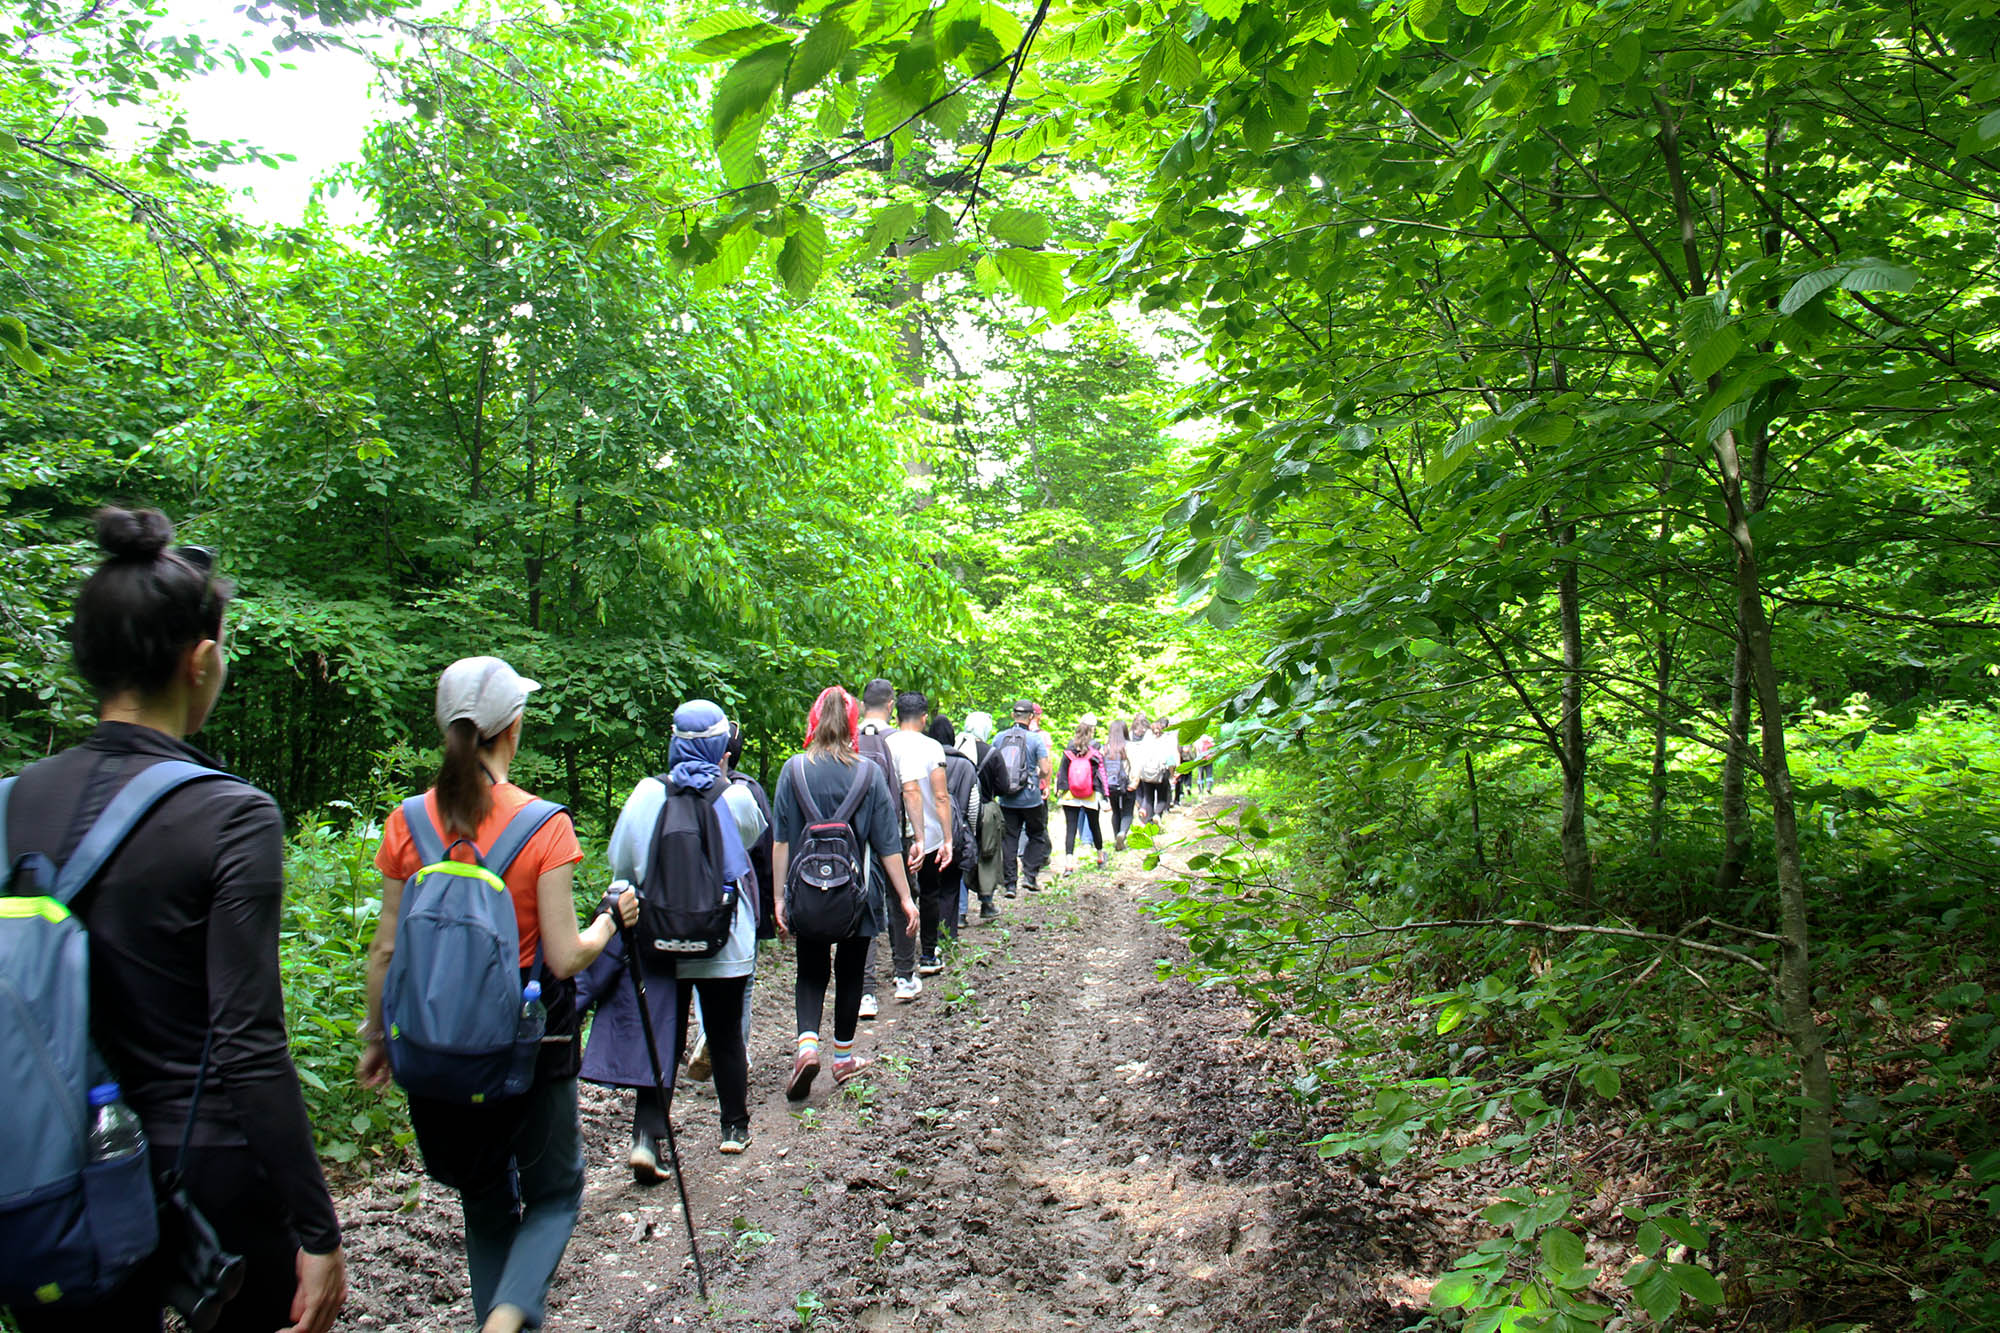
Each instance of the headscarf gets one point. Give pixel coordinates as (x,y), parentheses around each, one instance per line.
(980,725)
(827,698)
(701,738)
(942,732)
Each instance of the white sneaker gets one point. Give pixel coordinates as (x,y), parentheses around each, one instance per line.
(868,1006)
(909,988)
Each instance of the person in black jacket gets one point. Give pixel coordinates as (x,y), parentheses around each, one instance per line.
(183,929)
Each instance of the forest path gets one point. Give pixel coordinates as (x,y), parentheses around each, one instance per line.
(1053,1137)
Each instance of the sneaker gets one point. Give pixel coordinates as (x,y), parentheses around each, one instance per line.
(869,1008)
(929,967)
(804,1070)
(735,1138)
(1010,890)
(987,911)
(645,1159)
(908,988)
(698,1063)
(843,1070)
(1121,842)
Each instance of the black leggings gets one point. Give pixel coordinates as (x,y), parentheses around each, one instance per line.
(1153,799)
(845,964)
(1074,815)
(1123,802)
(722,1024)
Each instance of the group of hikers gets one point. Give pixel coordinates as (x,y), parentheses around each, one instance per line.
(159,1153)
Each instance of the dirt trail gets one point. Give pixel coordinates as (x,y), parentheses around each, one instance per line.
(1052,1137)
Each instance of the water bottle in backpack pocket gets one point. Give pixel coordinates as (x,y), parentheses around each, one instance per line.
(826,884)
(453,1002)
(77,1207)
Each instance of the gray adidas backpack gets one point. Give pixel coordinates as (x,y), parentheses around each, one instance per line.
(452,1001)
(70,1229)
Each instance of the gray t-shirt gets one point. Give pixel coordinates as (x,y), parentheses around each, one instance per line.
(1031,794)
(632,843)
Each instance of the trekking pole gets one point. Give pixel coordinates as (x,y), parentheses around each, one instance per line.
(666,1098)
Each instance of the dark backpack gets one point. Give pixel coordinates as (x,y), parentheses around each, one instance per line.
(962,784)
(874,747)
(452,998)
(826,884)
(1115,776)
(70,1229)
(1012,769)
(686,907)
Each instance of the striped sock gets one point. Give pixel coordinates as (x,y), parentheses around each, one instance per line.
(843,1050)
(809,1043)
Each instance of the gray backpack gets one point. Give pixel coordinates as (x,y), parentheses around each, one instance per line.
(70,1228)
(452,1001)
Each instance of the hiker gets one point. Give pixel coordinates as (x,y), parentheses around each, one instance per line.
(920,761)
(617,1056)
(698,1066)
(1183,772)
(516,1161)
(1156,770)
(1120,780)
(1080,787)
(1019,769)
(976,745)
(180,937)
(909,792)
(955,878)
(837,842)
(1086,832)
(1204,752)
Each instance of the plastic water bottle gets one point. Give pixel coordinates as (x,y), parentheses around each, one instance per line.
(114,1130)
(534,1014)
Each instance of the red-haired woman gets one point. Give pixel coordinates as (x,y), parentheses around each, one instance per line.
(823,777)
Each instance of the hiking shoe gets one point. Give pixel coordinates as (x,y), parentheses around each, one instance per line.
(1121,842)
(908,988)
(987,911)
(735,1138)
(929,967)
(804,1070)
(843,1070)
(645,1159)
(698,1063)
(869,1008)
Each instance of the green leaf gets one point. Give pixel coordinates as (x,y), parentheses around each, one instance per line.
(1810,286)
(803,255)
(1180,67)
(1035,276)
(1878,275)
(736,41)
(1455,1289)
(1655,1290)
(927,264)
(1697,1282)
(1457,1010)
(745,91)
(829,40)
(1563,1249)
(1018,226)
(1686,1233)
(1717,351)
(891,224)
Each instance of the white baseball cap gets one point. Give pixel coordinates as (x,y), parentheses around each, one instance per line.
(484,690)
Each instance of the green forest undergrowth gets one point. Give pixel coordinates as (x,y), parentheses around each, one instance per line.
(1637,1089)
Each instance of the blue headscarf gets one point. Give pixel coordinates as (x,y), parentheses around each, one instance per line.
(701,739)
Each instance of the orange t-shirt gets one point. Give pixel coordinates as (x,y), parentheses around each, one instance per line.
(554,844)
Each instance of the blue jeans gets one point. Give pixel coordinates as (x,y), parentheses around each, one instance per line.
(518,1168)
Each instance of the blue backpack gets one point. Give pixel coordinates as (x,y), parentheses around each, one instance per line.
(70,1228)
(452,1000)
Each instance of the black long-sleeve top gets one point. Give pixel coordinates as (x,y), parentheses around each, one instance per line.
(183,923)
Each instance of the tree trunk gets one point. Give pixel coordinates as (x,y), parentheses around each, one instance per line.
(1795,973)
(1735,801)
(1575,808)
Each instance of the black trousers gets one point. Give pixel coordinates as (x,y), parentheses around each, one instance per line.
(937,903)
(1123,802)
(845,965)
(1074,815)
(722,1024)
(1034,819)
(236,1197)
(1153,800)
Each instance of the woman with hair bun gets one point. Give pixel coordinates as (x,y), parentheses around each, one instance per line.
(182,925)
(516,1162)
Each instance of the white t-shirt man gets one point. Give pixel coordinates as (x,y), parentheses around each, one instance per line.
(917,756)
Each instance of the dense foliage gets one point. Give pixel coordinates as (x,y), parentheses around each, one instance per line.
(1581,492)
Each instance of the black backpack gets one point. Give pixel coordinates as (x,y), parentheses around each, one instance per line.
(826,884)
(874,746)
(686,907)
(1011,770)
(963,786)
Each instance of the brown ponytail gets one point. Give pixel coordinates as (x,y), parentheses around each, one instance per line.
(464,796)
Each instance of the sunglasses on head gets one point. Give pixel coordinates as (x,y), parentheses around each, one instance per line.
(201,557)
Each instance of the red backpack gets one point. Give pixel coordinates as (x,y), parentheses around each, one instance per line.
(1080,785)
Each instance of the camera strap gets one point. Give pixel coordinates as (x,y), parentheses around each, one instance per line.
(179,1173)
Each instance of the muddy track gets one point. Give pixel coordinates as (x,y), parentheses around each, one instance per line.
(1053,1137)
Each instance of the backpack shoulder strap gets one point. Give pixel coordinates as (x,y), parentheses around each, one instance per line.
(6,856)
(424,835)
(857,791)
(525,824)
(807,805)
(133,802)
